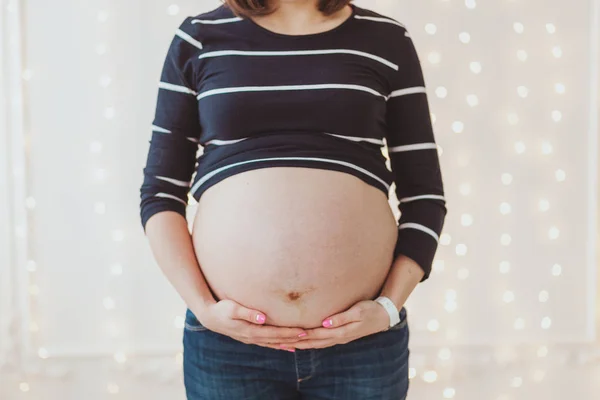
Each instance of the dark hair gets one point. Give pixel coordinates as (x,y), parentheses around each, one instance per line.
(263,7)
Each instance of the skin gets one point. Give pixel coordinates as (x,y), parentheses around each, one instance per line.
(172,247)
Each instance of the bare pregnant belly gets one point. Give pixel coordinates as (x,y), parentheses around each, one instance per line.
(298,244)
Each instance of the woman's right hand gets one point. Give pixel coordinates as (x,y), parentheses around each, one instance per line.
(246,325)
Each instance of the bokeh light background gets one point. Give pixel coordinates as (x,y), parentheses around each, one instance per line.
(511,309)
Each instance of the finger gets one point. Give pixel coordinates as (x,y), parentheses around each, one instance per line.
(332,333)
(248,314)
(351,315)
(319,344)
(277,333)
(275,341)
(277,347)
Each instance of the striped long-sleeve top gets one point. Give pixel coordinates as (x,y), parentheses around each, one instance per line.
(254,98)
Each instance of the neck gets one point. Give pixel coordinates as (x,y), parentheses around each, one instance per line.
(297,13)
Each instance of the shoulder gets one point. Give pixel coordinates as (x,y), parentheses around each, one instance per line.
(378,22)
(219,13)
(215,17)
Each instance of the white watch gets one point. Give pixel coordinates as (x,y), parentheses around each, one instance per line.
(390,308)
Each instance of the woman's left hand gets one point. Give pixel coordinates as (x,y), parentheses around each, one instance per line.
(364,318)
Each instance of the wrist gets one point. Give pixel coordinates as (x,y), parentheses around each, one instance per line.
(200,306)
(391,310)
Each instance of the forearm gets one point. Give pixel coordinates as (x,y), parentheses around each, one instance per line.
(173,250)
(405,274)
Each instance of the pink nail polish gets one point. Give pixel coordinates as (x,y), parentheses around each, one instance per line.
(327,323)
(285,348)
(302,334)
(260,318)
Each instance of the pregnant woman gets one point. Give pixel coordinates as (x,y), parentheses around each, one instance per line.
(295,273)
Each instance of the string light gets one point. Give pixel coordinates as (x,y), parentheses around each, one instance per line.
(412,372)
(560,175)
(505,208)
(522,55)
(556,116)
(518,27)
(471,4)
(522,91)
(557,52)
(441,92)
(508,296)
(462,274)
(458,126)
(519,324)
(556,270)
(472,100)
(431,29)
(449,393)
(434,57)
(504,267)
(466,220)
(506,179)
(464,37)
(433,325)
(444,354)
(546,323)
(430,376)
(475,67)
(173,9)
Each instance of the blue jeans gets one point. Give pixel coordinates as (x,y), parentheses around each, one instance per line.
(217,367)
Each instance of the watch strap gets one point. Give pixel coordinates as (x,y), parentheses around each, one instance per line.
(390,308)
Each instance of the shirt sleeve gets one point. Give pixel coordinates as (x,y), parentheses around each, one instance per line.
(414,161)
(171,158)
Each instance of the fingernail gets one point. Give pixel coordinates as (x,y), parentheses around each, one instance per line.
(260,318)
(302,334)
(327,323)
(291,350)
(285,348)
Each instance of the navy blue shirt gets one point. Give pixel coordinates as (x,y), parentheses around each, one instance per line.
(253,98)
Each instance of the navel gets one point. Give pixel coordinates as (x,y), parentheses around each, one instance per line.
(293,296)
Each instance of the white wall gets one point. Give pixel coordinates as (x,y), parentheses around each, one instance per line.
(72,245)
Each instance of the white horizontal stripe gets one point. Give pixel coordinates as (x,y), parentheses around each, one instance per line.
(216,21)
(404,92)
(157,128)
(423,197)
(411,225)
(218,142)
(378,19)
(221,53)
(188,38)
(213,173)
(411,147)
(358,139)
(193,140)
(176,88)
(288,87)
(170,196)
(174,181)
